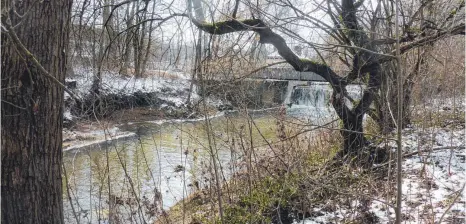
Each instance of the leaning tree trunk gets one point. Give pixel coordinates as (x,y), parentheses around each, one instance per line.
(32,108)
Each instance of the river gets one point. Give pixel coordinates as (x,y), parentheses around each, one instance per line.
(162,159)
(169,161)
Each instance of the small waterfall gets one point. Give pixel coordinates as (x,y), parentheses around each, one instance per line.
(311,95)
(312,99)
(290,88)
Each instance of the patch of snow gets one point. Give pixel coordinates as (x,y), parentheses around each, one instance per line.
(430,184)
(431,181)
(176,100)
(447,137)
(79,139)
(67,115)
(174,89)
(214,101)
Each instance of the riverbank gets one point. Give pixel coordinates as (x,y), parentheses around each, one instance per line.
(286,180)
(163,96)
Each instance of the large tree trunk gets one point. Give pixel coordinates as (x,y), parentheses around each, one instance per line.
(32,109)
(352,133)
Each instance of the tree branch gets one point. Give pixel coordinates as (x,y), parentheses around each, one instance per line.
(456,30)
(269,37)
(357,35)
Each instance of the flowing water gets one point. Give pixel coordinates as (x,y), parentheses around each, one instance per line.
(169,161)
(313,100)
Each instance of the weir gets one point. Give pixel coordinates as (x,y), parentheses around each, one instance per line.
(313,99)
(286,73)
(313,96)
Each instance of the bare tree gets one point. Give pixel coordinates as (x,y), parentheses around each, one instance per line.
(361,52)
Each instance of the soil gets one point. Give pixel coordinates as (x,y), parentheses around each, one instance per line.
(139,114)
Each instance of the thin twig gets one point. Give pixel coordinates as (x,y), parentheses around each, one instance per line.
(22,108)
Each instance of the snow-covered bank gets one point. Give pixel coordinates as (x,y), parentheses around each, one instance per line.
(168,83)
(432,188)
(164,92)
(434,180)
